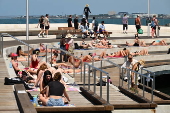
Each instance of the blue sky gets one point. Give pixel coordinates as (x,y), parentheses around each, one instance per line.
(59,7)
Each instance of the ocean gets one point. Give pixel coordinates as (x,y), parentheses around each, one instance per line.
(131,21)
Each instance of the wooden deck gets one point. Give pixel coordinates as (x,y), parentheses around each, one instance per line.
(8,102)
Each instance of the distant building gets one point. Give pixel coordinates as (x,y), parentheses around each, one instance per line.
(111,13)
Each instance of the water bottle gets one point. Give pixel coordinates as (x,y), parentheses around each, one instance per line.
(35,102)
(10,65)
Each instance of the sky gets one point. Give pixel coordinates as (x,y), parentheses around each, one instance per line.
(70,7)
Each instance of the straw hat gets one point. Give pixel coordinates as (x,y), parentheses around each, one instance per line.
(142,62)
(87,5)
(68,35)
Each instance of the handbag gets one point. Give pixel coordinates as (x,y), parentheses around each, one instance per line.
(67,47)
(140,31)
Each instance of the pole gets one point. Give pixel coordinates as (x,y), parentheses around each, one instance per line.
(148,17)
(27,23)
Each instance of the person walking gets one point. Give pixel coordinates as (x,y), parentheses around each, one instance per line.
(46,24)
(69,21)
(41,26)
(138,24)
(95,25)
(154,25)
(86,11)
(125,24)
(76,22)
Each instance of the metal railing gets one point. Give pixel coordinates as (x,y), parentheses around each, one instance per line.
(143,78)
(128,75)
(149,74)
(2,35)
(91,67)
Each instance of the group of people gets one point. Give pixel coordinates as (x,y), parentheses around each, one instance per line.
(44,25)
(154,25)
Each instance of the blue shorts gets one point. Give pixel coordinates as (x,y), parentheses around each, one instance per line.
(157,41)
(55,102)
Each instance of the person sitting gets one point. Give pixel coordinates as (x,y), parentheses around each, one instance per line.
(159,42)
(137,42)
(47,78)
(43,49)
(84,44)
(102,29)
(54,92)
(35,61)
(83,29)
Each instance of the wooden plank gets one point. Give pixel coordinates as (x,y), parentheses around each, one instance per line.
(23,100)
(77,108)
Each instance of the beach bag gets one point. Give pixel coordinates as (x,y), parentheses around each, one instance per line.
(67,47)
(76,46)
(140,31)
(70,49)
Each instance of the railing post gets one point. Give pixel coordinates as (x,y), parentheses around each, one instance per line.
(136,82)
(119,75)
(89,79)
(153,80)
(100,85)
(143,86)
(74,68)
(51,57)
(81,70)
(28,57)
(129,78)
(122,75)
(107,88)
(152,91)
(2,46)
(94,81)
(46,54)
(84,75)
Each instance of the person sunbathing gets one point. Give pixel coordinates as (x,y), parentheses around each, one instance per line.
(43,49)
(137,42)
(20,52)
(158,42)
(141,52)
(85,45)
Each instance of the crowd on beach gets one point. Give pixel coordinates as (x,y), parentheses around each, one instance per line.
(50,79)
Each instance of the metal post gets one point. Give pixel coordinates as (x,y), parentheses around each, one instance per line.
(100,85)
(46,54)
(74,67)
(92,64)
(84,75)
(122,76)
(81,70)
(89,79)
(149,29)
(129,78)
(2,46)
(27,23)
(152,91)
(119,75)
(28,56)
(153,80)
(143,86)
(136,80)
(51,57)
(94,81)
(107,88)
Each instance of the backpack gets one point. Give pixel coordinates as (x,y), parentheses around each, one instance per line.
(96,23)
(152,24)
(76,46)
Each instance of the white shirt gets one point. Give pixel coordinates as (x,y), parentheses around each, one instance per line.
(102,27)
(129,64)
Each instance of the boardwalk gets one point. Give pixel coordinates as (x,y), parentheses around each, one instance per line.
(7,99)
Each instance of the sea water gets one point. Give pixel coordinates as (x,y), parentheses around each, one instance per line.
(131,21)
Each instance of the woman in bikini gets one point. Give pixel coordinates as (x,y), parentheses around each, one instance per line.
(159,42)
(137,42)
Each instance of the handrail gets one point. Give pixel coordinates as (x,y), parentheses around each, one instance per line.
(136,73)
(8,35)
(94,70)
(150,73)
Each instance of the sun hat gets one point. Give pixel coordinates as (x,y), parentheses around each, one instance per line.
(87,5)
(142,62)
(68,35)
